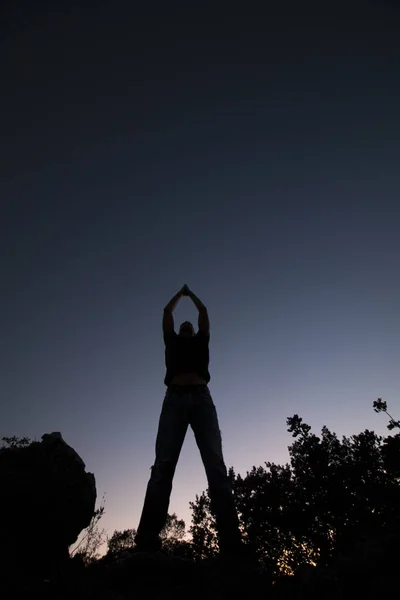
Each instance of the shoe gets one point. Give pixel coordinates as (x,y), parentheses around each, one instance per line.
(147,545)
(148,558)
(136,560)
(241,557)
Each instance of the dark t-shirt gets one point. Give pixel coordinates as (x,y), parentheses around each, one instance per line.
(186,355)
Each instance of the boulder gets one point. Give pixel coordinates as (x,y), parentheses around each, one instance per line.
(46,499)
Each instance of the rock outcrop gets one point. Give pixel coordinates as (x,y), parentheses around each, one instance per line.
(46,499)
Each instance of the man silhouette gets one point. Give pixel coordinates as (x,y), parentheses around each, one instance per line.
(188,402)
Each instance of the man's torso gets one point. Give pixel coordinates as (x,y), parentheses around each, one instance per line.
(186,360)
(187,379)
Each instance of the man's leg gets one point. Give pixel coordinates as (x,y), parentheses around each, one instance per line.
(204,422)
(172,429)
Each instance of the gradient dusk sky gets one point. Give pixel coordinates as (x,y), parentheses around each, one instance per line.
(252,153)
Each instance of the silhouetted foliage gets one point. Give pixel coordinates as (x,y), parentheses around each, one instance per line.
(333,495)
(91,539)
(14,442)
(172,533)
(172,537)
(120,541)
(381,406)
(203,528)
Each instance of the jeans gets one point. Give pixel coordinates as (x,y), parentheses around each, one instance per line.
(184,406)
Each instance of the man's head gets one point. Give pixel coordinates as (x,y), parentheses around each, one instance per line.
(186,330)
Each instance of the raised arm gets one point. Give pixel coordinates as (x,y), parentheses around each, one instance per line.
(168,319)
(203,322)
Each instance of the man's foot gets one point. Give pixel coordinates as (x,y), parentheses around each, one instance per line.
(147,545)
(129,561)
(148,558)
(242,556)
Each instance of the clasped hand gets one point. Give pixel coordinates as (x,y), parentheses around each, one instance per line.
(185,291)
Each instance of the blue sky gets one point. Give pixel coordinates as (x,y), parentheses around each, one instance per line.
(255,160)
